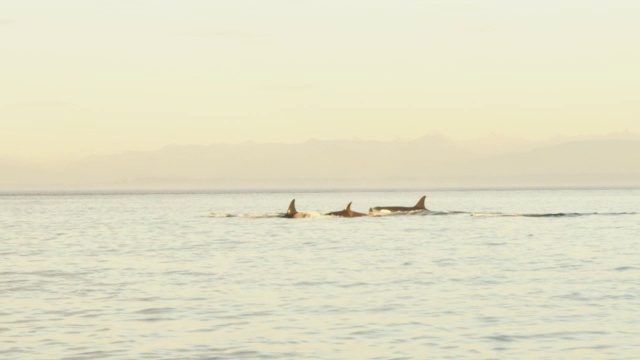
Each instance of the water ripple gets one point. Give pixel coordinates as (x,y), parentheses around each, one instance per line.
(544,274)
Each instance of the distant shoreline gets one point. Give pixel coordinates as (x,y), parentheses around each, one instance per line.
(298,190)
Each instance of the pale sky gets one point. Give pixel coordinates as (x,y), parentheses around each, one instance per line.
(80,77)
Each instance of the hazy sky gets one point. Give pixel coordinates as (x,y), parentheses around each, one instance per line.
(79,77)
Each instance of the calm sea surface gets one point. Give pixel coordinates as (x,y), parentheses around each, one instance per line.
(540,274)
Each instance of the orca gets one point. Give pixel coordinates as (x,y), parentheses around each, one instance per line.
(392,209)
(293,213)
(347,212)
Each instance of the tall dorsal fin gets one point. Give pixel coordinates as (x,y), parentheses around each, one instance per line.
(420,204)
(292,207)
(348,207)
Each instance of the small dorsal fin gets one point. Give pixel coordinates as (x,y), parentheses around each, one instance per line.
(420,204)
(292,207)
(348,207)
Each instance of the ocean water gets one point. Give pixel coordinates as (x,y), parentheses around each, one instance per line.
(493,274)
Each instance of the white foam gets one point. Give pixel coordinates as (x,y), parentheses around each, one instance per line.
(260,215)
(219,215)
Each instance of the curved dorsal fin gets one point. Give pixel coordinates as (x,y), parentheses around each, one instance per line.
(348,207)
(420,204)
(292,207)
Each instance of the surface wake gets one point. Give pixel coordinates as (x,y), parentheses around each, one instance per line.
(425,213)
(549,215)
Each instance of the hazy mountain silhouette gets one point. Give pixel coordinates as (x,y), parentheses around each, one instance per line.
(14,173)
(430,161)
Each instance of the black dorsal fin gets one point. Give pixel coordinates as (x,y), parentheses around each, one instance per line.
(420,204)
(348,207)
(292,208)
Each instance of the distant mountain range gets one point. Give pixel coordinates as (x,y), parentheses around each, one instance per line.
(433,161)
